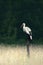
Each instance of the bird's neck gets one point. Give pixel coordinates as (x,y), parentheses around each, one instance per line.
(24,26)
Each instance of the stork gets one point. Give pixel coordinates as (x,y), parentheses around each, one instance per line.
(28,32)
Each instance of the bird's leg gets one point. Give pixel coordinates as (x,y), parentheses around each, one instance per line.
(28,48)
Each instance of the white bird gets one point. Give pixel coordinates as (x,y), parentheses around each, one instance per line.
(27,30)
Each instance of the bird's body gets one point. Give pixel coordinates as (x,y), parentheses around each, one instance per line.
(27,30)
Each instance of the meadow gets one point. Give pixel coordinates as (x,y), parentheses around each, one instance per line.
(17,55)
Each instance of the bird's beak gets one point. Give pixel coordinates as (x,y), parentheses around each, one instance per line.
(21,26)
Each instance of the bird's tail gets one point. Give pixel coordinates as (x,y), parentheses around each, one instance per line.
(31,35)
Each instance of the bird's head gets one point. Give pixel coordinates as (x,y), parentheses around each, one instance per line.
(23,24)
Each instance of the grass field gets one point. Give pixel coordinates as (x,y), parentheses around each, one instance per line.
(17,55)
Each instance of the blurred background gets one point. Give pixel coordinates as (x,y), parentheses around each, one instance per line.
(13,13)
